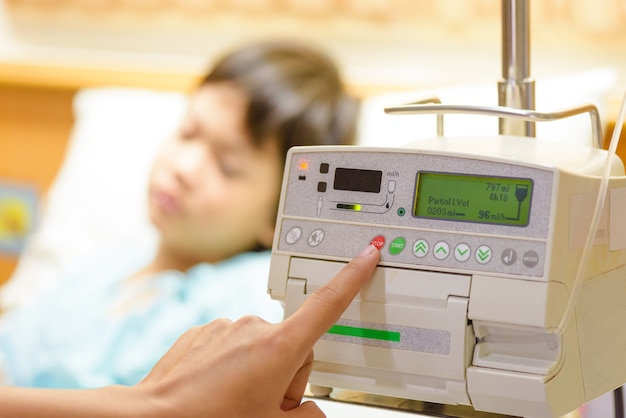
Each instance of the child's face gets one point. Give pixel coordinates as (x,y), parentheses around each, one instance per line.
(212,193)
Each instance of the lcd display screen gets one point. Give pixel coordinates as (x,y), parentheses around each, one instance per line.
(473,198)
(356,180)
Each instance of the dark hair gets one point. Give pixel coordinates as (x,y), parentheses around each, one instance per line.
(295,94)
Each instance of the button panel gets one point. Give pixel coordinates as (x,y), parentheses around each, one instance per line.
(462,252)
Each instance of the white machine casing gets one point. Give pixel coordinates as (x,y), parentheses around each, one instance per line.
(461,311)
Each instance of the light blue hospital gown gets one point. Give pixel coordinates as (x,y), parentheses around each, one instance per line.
(70,338)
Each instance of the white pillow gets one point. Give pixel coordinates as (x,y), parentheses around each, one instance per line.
(97,199)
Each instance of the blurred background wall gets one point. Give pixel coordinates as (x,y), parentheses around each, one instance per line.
(49,49)
(388,42)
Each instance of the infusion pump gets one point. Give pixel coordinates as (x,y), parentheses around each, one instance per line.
(480,242)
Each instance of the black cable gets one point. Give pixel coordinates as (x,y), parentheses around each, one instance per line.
(618,402)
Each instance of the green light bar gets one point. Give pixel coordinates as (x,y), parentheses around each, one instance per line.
(376,334)
(349,206)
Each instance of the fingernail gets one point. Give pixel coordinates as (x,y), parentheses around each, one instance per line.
(368,251)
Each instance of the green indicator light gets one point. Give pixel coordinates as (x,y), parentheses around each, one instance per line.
(376,334)
(349,206)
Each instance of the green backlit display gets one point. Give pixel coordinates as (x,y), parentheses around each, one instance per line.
(481,199)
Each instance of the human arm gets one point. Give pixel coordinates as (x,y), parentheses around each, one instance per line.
(111,401)
(236,369)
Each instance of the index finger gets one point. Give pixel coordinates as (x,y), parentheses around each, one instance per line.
(324,307)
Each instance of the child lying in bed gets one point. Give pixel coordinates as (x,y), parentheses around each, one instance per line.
(213,195)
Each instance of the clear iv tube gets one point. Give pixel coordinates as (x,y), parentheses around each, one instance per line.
(595,220)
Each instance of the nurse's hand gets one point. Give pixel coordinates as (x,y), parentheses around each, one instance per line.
(251,368)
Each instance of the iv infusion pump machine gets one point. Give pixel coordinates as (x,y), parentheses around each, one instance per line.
(480,242)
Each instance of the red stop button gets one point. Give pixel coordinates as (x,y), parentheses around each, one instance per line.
(378,242)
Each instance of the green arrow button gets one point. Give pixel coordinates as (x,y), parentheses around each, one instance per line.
(483,254)
(420,248)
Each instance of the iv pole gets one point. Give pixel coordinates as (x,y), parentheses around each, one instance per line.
(516,89)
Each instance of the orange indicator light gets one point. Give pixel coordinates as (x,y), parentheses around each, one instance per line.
(303,164)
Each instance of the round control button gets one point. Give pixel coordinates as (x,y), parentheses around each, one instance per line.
(293,235)
(483,254)
(378,242)
(420,248)
(316,237)
(508,257)
(530,258)
(462,252)
(441,250)
(397,246)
